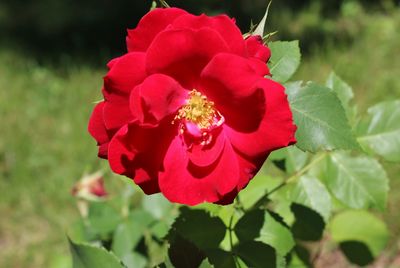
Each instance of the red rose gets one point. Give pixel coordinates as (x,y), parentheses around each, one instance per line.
(187,111)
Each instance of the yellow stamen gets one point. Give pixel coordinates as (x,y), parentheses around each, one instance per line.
(198,110)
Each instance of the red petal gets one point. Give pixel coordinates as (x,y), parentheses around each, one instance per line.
(259,67)
(103,150)
(157,97)
(248,169)
(185,183)
(120,154)
(206,155)
(229,81)
(224,25)
(126,72)
(182,54)
(116,114)
(256,48)
(276,129)
(96,124)
(138,152)
(140,38)
(98,130)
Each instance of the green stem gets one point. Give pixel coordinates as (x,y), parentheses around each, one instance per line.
(230,229)
(296,175)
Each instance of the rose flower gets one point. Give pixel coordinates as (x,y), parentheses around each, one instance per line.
(188,111)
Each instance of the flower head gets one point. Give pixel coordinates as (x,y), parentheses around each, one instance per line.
(188,111)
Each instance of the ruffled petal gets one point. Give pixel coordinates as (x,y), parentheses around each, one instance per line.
(116,114)
(182,54)
(126,72)
(157,97)
(248,169)
(229,81)
(259,67)
(256,48)
(276,129)
(183,182)
(96,125)
(224,25)
(205,155)
(138,152)
(140,38)
(121,154)
(98,129)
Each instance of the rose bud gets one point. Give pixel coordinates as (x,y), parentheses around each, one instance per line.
(90,187)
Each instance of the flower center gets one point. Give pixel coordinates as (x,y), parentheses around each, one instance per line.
(198,117)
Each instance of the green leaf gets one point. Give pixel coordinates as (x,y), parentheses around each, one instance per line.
(134,260)
(261,226)
(296,159)
(200,228)
(254,191)
(285,59)
(103,218)
(356,252)
(362,226)
(129,232)
(249,226)
(256,254)
(260,30)
(157,205)
(320,118)
(276,235)
(184,253)
(358,182)
(308,225)
(382,135)
(343,91)
(88,256)
(310,192)
(220,258)
(289,159)
(205,264)
(80,232)
(160,229)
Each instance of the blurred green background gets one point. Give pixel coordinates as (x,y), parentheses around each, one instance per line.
(52,59)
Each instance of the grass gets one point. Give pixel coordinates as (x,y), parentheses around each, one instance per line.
(45,148)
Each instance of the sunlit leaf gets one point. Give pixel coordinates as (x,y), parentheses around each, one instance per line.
(296,159)
(360,226)
(285,59)
(320,118)
(261,226)
(310,192)
(134,260)
(157,205)
(88,256)
(343,91)
(382,135)
(358,182)
(254,191)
